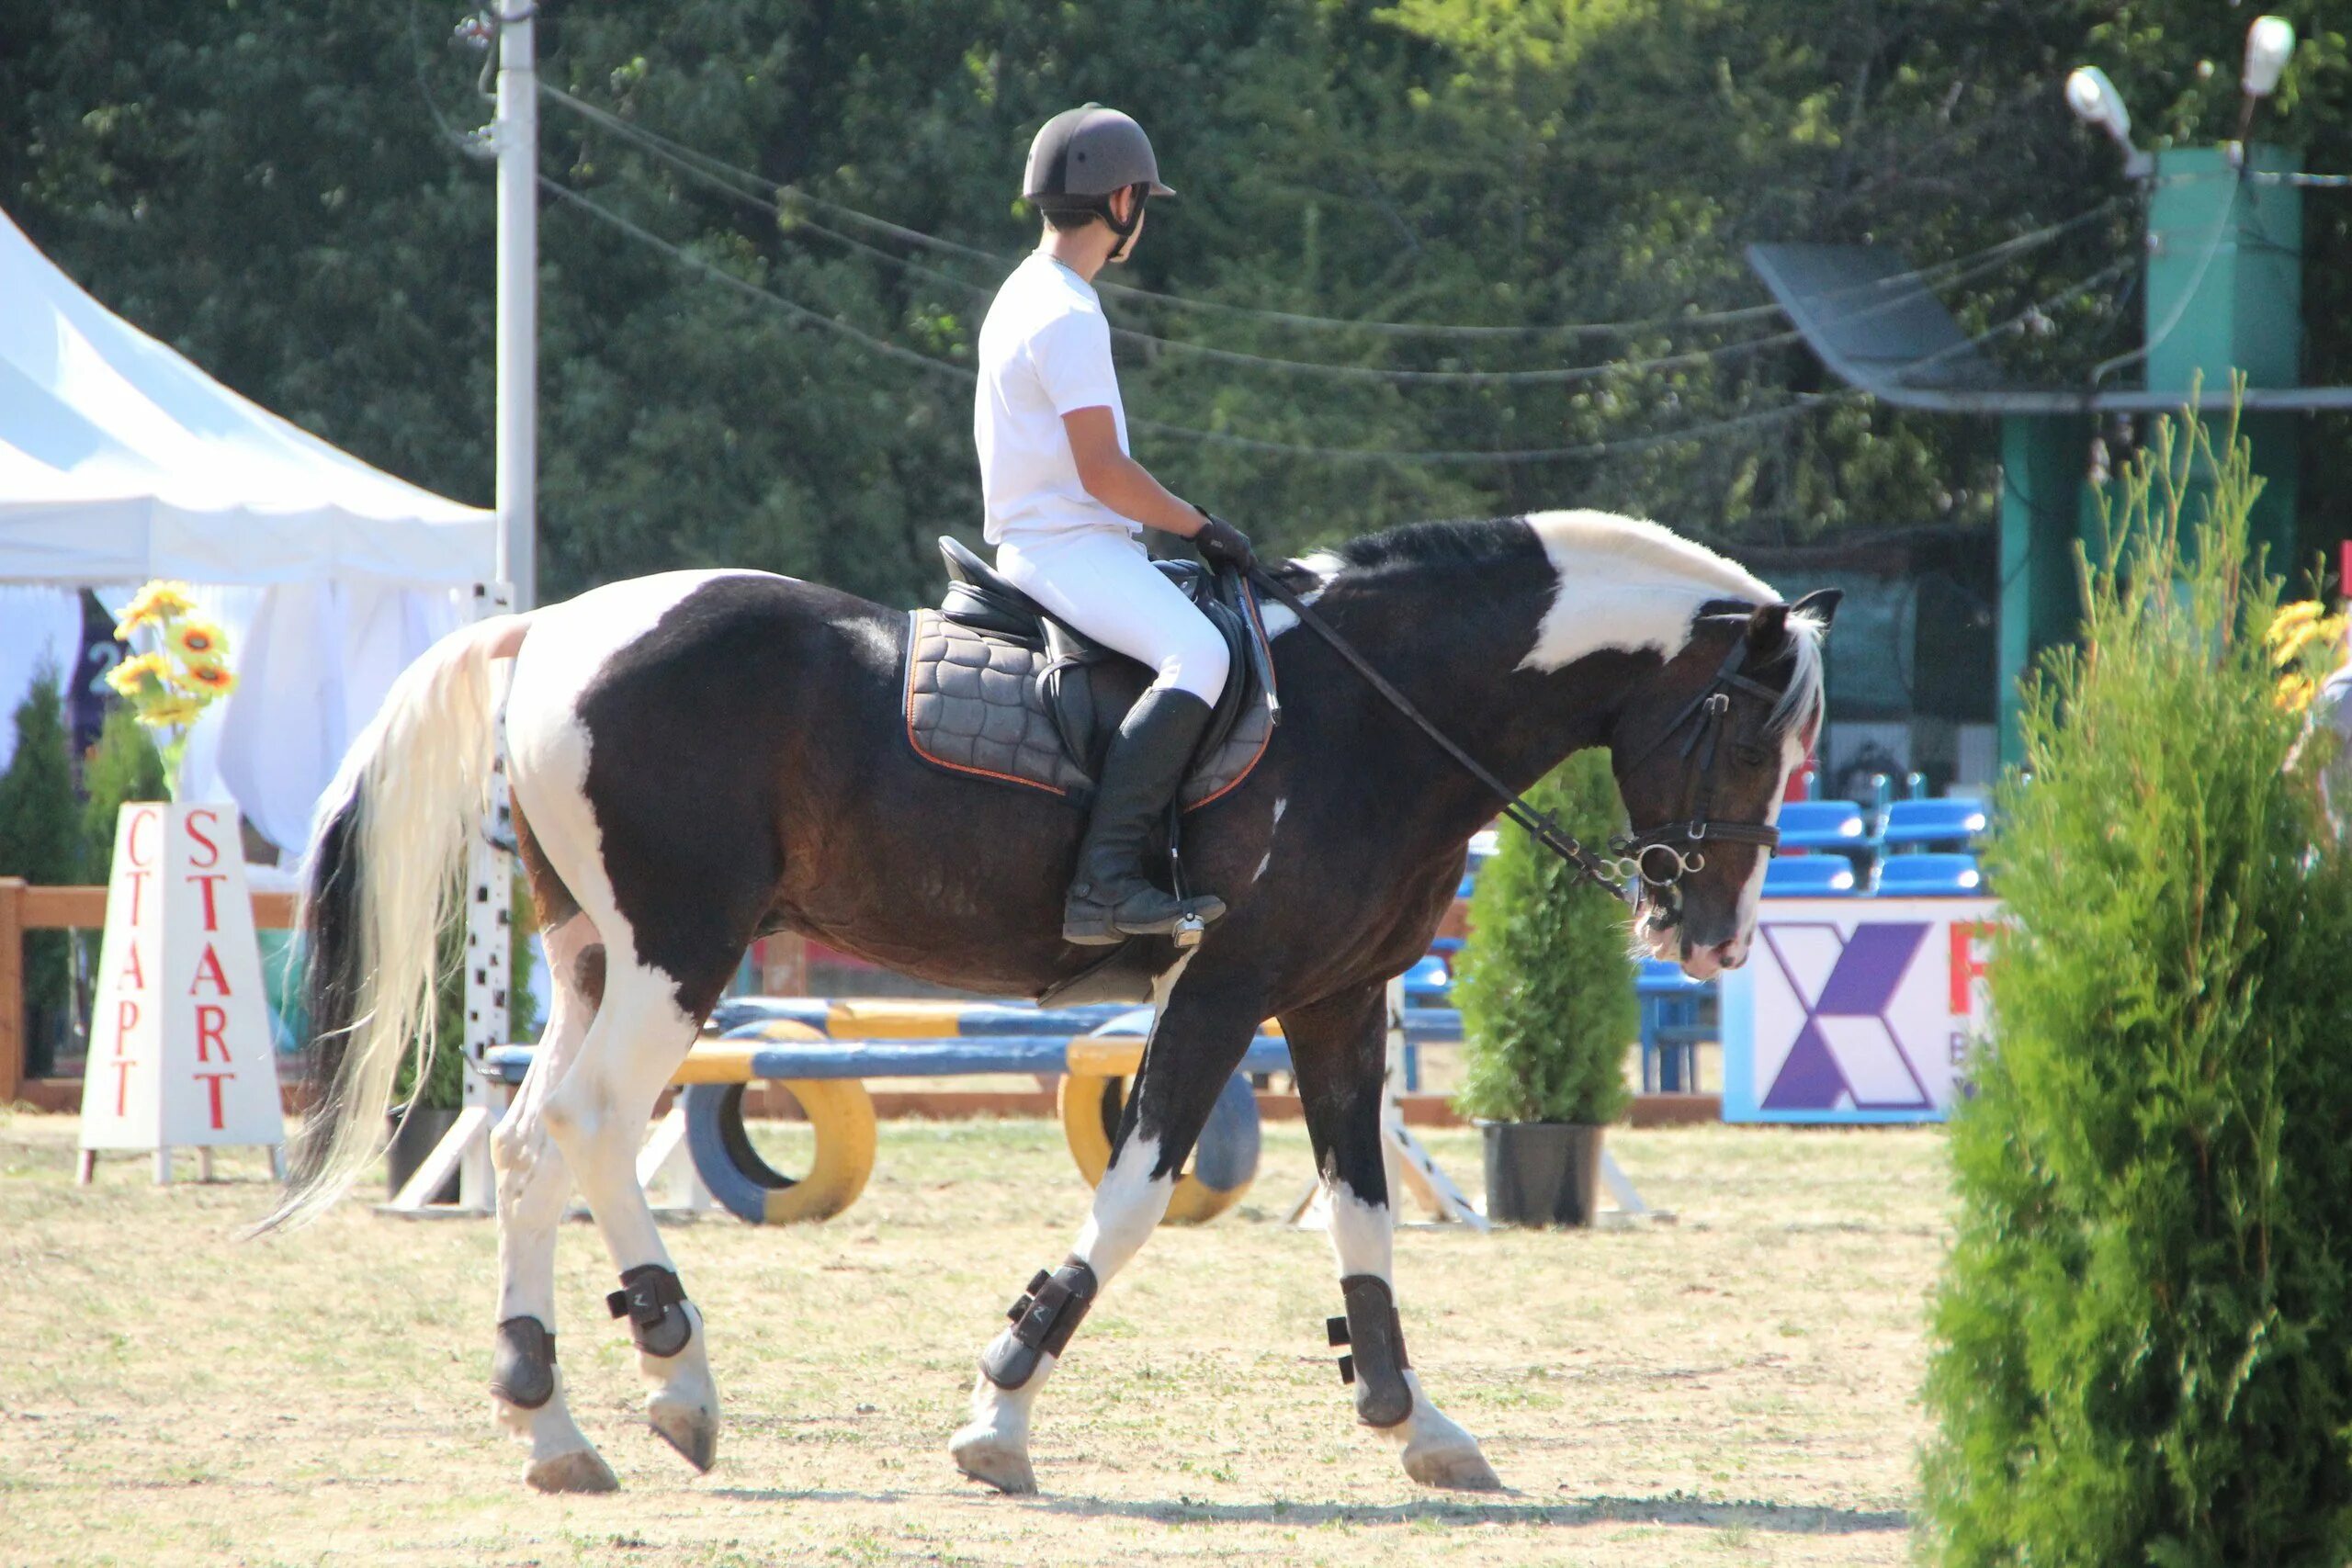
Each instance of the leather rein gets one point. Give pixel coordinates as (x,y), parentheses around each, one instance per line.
(1672,847)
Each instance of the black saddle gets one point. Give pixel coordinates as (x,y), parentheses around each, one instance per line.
(1086,688)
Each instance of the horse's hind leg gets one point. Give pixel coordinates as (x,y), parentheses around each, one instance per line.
(1339,1048)
(598,1115)
(1196,1042)
(527,1391)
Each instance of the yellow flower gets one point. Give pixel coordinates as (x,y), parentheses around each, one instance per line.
(159,601)
(207,680)
(2295,691)
(196,641)
(169,712)
(2287,646)
(144,676)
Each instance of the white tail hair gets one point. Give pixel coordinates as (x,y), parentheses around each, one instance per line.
(381,881)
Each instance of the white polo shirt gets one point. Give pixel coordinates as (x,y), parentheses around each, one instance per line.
(1045,351)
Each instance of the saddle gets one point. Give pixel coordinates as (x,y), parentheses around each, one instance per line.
(997,688)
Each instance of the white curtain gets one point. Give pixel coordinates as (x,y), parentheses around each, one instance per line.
(313,662)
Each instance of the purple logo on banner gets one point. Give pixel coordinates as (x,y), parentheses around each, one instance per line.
(1847,1033)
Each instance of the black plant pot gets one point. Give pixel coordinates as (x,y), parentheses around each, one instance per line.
(1541,1173)
(413,1142)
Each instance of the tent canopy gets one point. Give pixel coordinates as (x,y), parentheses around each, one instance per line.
(120,461)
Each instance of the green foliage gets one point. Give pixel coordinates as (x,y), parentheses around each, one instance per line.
(37,817)
(124,766)
(38,838)
(2144,1353)
(294,219)
(443,1088)
(1547,987)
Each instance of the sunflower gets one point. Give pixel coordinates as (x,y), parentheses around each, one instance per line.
(170,712)
(143,678)
(198,642)
(207,680)
(158,602)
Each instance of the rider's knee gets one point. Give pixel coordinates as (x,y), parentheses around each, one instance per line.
(1198,667)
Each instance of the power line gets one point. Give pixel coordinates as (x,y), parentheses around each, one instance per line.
(1463,456)
(724,177)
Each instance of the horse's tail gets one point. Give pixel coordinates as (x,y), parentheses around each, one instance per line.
(381,879)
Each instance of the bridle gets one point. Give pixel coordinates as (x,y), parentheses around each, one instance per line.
(1675,848)
(1659,859)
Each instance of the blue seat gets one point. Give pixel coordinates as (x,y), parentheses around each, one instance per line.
(1929,876)
(1673,1026)
(1427,983)
(1822,825)
(1809,876)
(1914,823)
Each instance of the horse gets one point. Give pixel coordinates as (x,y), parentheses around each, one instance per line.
(699,758)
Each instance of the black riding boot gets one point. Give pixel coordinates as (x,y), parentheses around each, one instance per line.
(1111,900)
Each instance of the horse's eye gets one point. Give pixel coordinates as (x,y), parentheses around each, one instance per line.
(1751,756)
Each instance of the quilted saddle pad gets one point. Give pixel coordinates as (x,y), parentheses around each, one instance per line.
(978,704)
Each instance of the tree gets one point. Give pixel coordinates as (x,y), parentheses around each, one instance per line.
(39,842)
(1547,987)
(2143,1351)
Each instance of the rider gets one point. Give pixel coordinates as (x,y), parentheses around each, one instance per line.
(1066,505)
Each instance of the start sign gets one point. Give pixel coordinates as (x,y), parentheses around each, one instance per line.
(180,1054)
(1856,1009)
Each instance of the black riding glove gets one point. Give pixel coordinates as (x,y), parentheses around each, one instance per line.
(1222,544)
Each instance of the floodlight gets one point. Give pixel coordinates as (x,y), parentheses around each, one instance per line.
(2269,44)
(2096,102)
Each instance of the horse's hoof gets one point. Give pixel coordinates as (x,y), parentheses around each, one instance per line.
(689,1429)
(1460,1468)
(582,1469)
(985,1456)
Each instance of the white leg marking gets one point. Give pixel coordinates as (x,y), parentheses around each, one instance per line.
(1435,1448)
(993,1445)
(533,1183)
(598,1115)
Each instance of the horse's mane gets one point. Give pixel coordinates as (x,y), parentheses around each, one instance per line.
(1635,551)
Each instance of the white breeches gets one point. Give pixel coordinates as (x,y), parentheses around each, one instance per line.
(1102,581)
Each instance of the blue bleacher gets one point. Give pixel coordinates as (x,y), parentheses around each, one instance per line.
(1673,1025)
(1916,824)
(1810,876)
(1823,825)
(1929,876)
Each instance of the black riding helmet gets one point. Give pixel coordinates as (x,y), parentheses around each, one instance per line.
(1082,157)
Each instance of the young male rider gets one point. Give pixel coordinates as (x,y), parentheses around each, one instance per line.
(1066,504)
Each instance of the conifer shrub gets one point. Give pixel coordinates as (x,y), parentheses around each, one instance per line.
(2144,1331)
(39,841)
(124,766)
(1546,986)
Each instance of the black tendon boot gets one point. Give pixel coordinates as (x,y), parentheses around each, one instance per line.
(1111,900)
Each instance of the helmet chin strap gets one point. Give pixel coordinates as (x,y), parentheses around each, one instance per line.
(1126,230)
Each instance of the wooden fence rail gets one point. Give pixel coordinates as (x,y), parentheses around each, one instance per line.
(24,908)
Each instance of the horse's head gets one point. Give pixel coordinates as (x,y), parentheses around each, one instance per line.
(1702,754)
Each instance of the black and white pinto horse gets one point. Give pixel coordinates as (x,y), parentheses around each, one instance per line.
(698,758)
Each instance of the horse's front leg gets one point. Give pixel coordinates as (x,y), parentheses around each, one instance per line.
(1339,1049)
(1196,1041)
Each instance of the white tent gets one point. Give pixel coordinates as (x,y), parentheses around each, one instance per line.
(121,461)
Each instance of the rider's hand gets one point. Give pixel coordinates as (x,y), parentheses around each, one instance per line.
(1222,544)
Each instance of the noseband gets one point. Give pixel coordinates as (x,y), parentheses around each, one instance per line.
(1659,859)
(1671,850)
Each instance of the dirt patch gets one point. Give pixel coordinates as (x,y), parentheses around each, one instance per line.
(1736,1388)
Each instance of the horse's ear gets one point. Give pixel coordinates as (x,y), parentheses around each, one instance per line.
(1821,604)
(1767,627)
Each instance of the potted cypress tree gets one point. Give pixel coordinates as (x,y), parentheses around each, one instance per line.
(1548,1010)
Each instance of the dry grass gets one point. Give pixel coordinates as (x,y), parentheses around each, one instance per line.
(1735,1389)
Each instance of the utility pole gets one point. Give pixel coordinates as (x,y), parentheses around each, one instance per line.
(517,136)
